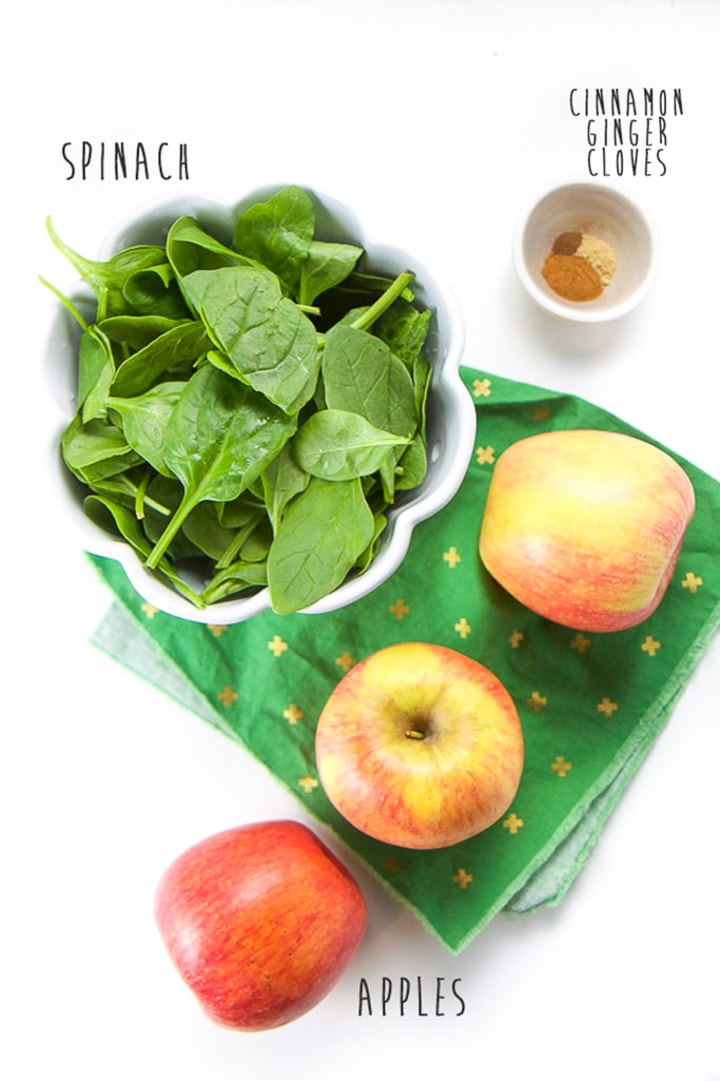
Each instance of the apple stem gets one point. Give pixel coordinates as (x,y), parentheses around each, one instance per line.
(414,733)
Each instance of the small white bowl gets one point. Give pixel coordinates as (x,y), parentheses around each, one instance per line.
(450,410)
(600,210)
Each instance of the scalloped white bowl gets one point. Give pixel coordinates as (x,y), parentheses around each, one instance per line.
(450,411)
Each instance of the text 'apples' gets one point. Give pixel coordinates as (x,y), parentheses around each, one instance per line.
(261,921)
(419,746)
(584,527)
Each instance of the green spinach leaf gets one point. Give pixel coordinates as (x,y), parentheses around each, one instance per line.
(360,374)
(145,419)
(96,371)
(282,480)
(321,536)
(110,274)
(219,438)
(325,266)
(189,247)
(177,349)
(336,444)
(278,234)
(268,340)
(155,291)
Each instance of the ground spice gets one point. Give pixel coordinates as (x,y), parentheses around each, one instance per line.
(572,277)
(567,243)
(579,266)
(599,255)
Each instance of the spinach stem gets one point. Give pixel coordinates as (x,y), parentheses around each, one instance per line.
(147,501)
(166,537)
(64,300)
(383,302)
(140,495)
(237,542)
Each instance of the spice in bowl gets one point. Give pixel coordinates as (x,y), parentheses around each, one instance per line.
(579,266)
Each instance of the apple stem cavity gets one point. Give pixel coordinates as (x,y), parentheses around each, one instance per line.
(414,733)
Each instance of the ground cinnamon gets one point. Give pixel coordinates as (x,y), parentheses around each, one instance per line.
(572,277)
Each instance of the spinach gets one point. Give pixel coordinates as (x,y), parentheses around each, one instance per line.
(144,420)
(95,444)
(190,247)
(250,406)
(239,578)
(269,341)
(325,266)
(108,278)
(205,530)
(177,348)
(155,291)
(96,371)
(277,234)
(339,445)
(136,331)
(322,534)
(361,374)
(281,481)
(218,439)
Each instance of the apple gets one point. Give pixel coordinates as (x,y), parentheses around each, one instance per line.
(419,746)
(261,921)
(584,527)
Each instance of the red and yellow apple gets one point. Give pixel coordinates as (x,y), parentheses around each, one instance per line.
(584,527)
(261,922)
(419,746)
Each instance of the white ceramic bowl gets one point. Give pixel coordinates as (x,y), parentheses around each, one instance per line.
(594,208)
(450,411)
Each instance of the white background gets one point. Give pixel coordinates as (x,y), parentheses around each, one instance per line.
(435,120)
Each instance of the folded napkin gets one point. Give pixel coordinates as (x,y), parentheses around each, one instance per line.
(591,705)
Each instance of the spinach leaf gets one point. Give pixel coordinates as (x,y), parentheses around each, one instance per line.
(278,234)
(97,448)
(325,266)
(268,340)
(203,528)
(189,247)
(238,512)
(257,546)
(132,489)
(240,577)
(322,534)
(155,291)
(366,558)
(220,436)
(404,329)
(111,274)
(282,480)
(361,375)
(338,445)
(96,371)
(145,419)
(176,349)
(412,466)
(135,331)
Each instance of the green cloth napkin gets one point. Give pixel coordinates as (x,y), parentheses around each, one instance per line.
(591,705)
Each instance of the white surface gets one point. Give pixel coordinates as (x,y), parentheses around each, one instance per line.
(437,118)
